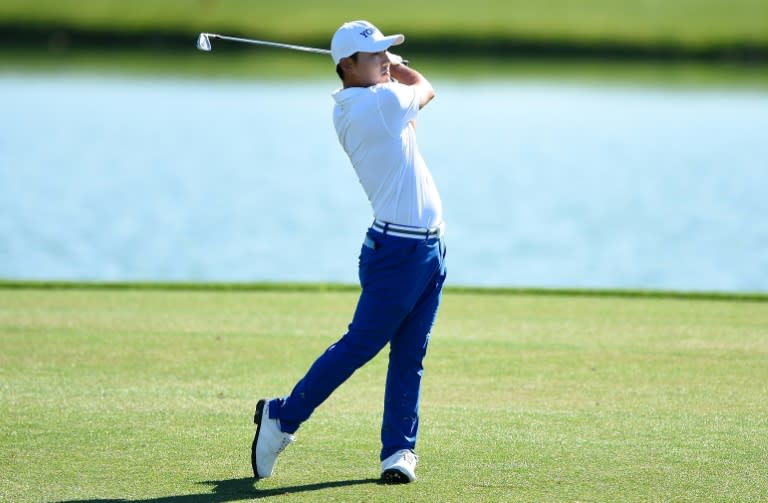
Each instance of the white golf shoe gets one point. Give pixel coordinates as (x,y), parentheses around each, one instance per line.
(399,468)
(268,443)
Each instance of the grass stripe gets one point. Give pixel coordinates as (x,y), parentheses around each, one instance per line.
(341,287)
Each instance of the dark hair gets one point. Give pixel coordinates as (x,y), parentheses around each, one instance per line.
(340,72)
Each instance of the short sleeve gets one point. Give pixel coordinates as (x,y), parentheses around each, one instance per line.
(398,105)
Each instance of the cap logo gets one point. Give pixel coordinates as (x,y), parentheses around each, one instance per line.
(367,32)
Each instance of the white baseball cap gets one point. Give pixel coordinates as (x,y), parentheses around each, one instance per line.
(360,36)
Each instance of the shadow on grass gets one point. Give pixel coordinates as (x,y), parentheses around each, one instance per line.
(234,490)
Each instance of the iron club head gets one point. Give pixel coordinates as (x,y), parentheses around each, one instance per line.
(203,42)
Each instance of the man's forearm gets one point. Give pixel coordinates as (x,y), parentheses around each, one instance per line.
(410,77)
(406,75)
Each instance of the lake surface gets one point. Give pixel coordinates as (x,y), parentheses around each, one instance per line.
(544,184)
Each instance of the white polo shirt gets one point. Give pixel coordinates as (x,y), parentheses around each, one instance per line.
(374,127)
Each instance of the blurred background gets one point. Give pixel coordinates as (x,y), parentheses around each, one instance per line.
(592,144)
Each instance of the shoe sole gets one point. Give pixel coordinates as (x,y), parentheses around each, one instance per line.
(393,476)
(257,420)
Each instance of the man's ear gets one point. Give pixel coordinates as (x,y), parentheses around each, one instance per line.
(347,64)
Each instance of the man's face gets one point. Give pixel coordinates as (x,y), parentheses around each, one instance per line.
(371,68)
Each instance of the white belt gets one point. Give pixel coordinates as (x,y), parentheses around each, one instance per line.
(406,231)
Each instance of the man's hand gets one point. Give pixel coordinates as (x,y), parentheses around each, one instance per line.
(395,59)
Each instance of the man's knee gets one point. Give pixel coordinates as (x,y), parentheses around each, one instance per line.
(359,348)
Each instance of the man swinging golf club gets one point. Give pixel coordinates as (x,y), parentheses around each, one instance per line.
(402,259)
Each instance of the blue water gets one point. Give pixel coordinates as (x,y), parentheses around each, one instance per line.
(544,183)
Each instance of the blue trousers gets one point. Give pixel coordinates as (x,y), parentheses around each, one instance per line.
(401,280)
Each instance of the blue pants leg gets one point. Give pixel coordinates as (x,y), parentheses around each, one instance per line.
(408,347)
(401,279)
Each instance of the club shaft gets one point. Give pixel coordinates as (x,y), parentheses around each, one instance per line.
(269,44)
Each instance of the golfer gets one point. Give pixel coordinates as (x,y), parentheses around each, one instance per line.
(402,259)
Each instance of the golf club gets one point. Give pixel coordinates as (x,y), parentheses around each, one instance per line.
(204,43)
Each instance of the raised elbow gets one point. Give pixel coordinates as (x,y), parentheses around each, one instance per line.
(427,95)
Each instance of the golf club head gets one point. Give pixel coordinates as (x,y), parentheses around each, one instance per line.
(203,42)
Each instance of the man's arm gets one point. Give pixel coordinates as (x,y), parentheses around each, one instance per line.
(410,77)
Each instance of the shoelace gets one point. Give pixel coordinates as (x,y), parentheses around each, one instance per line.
(410,457)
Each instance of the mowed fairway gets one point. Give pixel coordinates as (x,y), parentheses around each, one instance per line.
(148,395)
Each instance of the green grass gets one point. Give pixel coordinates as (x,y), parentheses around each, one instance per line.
(691,23)
(273,65)
(141,394)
